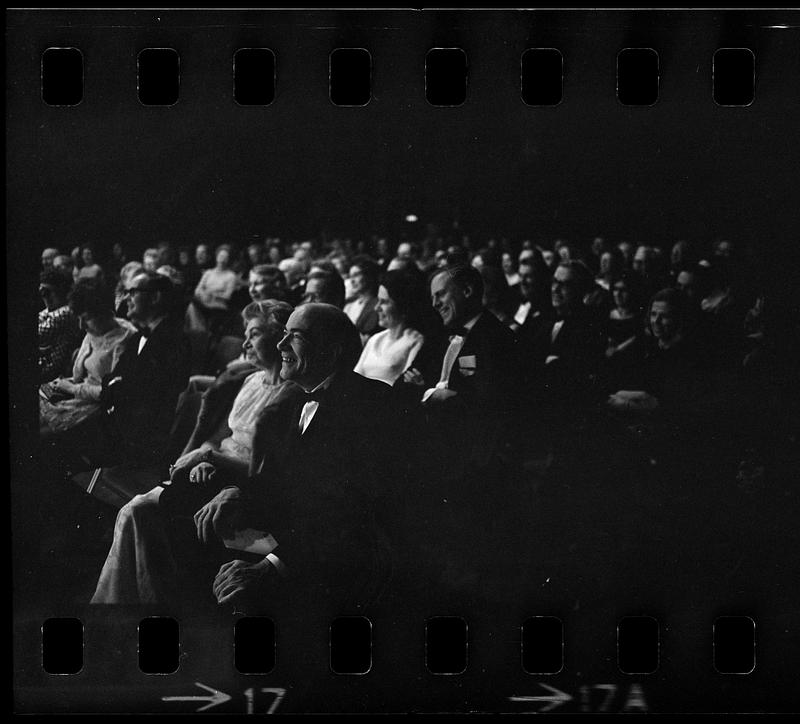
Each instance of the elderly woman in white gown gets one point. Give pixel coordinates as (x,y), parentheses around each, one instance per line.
(142,566)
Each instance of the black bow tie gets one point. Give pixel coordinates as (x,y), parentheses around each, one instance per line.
(316,395)
(145,331)
(460,331)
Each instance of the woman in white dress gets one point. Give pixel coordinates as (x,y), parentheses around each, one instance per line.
(388,354)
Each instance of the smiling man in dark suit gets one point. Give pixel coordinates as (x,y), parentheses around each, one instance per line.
(472,498)
(320,479)
(476,395)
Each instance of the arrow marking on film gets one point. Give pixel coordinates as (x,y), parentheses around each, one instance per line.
(556,698)
(216,698)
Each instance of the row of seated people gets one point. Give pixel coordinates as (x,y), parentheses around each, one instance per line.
(213,291)
(465,387)
(574,338)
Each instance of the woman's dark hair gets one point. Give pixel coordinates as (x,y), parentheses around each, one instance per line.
(91,297)
(408,292)
(370,269)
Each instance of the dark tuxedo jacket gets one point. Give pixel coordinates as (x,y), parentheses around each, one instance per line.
(327,495)
(579,348)
(142,404)
(494,385)
(475,428)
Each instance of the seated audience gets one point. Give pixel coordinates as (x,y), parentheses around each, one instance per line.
(138,566)
(360,306)
(47,258)
(266,281)
(64,263)
(563,354)
(611,265)
(256,255)
(68,401)
(151,259)
(59,331)
(534,308)
(624,330)
(649,264)
(318,513)
(496,294)
(188,269)
(210,309)
(90,269)
(141,392)
(721,315)
(128,271)
(671,377)
(294,271)
(203,257)
(115,263)
(510,269)
(683,255)
(324,288)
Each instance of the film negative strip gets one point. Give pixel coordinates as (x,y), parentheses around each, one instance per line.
(629,557)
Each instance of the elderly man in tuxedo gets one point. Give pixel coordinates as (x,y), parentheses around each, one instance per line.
(320,478)
(316,498)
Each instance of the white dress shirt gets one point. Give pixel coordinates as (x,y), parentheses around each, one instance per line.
(450,356)
(143,339)
(311,407)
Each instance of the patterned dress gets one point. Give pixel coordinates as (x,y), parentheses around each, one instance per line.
(97,356)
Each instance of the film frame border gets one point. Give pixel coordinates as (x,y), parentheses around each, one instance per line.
(757,97)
